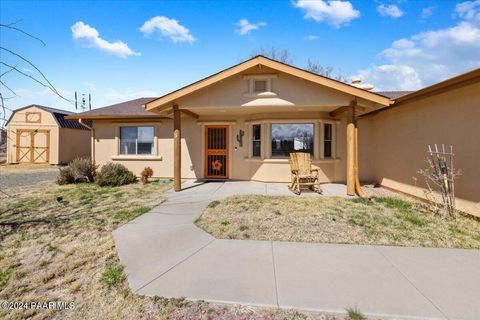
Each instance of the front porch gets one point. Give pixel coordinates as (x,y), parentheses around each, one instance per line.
(265,110)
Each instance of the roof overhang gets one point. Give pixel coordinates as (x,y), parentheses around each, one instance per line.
(167,101)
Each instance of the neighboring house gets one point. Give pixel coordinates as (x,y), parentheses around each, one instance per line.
(38,134)
(242,123)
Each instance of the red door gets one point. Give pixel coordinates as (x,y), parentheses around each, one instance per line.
(216,152)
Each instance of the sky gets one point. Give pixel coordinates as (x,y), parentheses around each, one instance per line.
(121,50)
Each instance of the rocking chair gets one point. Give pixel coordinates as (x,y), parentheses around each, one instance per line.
(303,176)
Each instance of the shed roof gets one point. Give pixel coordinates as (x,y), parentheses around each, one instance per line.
(58,114)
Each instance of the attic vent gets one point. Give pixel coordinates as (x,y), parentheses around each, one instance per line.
(260,86)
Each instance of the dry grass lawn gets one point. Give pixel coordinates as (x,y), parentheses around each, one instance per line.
(383,221)
(56,245)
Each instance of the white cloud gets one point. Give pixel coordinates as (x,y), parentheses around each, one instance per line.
(392,77)
(335,13)
(469,10)
(427,12)
(311,37)
(390,11)
(114,95)
(244,27)
(426,58)
(91,38)
(168,28)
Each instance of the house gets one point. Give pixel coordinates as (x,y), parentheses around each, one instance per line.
(241,123)
(39,134)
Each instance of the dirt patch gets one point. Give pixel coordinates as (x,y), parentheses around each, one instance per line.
(382,220)
(27,167)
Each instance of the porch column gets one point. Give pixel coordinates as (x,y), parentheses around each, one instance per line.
(351,149)
(177,149)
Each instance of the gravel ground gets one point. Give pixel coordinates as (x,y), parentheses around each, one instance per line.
(25,178)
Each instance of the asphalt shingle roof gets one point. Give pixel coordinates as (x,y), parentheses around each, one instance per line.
(127,108)
(393,94)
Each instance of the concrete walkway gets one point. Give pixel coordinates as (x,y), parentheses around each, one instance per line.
(165,254)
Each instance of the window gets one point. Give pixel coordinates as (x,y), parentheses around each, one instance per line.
(136,140)
(260,86)
(256,140)
(294,137)
(327,140)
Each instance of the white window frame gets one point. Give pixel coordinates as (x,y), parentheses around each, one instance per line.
(293,121)
(153,156)
(250,140)
(318,143)
(322,140)
(259,77)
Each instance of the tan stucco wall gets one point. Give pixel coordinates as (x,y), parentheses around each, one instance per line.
(18,122)
(73,143)
(393,143)
(241,166)
(230,92)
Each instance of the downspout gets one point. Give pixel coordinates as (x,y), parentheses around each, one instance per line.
(92,149)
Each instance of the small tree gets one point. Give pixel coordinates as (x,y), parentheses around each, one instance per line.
(327,71)
(439,179)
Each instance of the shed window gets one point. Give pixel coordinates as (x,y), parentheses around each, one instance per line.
(292,137)
(256,140)
(136,140)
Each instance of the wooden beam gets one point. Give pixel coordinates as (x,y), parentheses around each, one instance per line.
(190,113)
(185,111)
(177,149)
(351,149)
(335,113)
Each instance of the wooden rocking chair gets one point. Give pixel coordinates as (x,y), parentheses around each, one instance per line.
(302,173)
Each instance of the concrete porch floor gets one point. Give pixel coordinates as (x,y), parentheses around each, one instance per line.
(165,254)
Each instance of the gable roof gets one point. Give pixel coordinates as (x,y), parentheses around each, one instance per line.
(438,88)
(58,115)
(128,109)
(449,84)
(273,64)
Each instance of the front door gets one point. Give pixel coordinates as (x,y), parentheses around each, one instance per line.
(216,152)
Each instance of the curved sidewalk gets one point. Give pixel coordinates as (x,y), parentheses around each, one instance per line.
(165,254)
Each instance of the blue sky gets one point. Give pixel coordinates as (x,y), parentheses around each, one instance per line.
(122,50)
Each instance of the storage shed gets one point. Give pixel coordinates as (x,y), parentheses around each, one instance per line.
(39,134)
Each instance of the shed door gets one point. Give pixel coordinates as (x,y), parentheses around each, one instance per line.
(216,152)
(33,145)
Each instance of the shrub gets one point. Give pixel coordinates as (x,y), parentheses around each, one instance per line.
(113,275)
(114,174)
(65,176)
(83,169)
(355,314)
(146,174)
